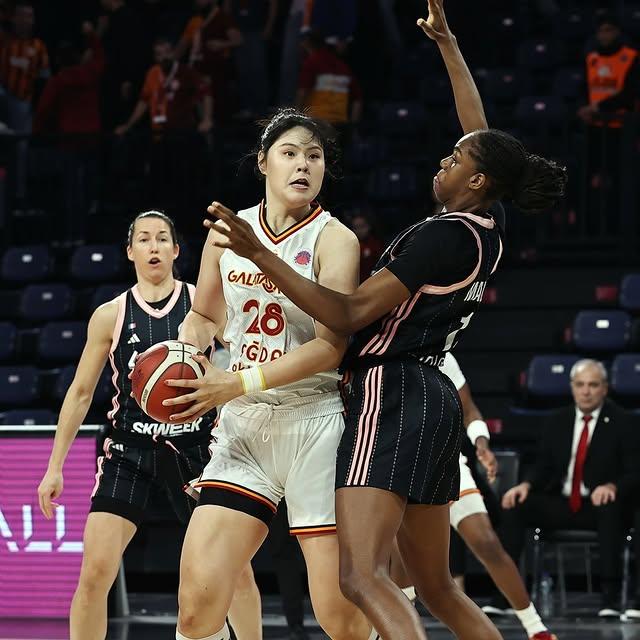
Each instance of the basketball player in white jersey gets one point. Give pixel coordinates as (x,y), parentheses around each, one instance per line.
(282,421)
(468,516)
(135,455)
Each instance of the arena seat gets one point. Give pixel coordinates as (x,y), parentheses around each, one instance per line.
(105,292)
(32,263)
(366,152)
(402,118)
(19,385)
(539,54)
(28,417)
(625,374)
(8,340)
(62,341)
(393,183)
(62,381)
(602,330)
(46,301)
(548,375)
(537,111)
(506,85)
(568,83)
(630,292)
(97,263)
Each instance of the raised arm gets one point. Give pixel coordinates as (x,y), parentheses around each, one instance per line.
(467,98)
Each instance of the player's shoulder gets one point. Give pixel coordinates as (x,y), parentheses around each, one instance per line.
(104,318)
(336,231)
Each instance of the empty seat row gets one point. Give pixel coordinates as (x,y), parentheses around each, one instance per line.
(27,386)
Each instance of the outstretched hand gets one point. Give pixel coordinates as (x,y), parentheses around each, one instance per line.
(435,26)
(238,234)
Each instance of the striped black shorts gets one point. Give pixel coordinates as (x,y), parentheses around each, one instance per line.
(403,432)
(133,465)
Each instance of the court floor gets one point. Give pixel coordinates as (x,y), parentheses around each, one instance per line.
(153,618)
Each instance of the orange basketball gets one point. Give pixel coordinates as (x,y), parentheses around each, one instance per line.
(169,360)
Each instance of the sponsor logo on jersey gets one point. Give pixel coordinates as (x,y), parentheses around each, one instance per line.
(133,339)
(252,280)
(303,258)
(163,429)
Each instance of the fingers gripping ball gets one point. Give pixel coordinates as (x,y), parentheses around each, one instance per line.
(169,360)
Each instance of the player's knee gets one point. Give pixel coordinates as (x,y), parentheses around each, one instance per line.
(337,616)
(435,589)
(97,576)
(355,583)
(246,583)
(194,607)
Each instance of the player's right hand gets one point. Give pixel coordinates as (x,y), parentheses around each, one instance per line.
(435,26)
(50,488)
(516,495)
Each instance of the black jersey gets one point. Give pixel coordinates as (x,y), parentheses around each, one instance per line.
(139,326)
(445,262)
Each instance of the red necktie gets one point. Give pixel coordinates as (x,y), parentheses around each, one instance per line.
(575,500)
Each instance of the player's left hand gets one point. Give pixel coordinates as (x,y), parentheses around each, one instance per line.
(435,26)
(215,388)
(488,461)
(240,237)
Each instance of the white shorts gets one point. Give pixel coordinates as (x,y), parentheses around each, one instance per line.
(470,501)
(266,452)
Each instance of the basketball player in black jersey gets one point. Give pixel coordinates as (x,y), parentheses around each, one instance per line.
(397,466)
(140,453)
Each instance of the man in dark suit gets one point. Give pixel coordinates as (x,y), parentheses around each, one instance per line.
(586,467)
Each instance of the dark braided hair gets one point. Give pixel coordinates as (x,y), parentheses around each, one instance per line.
(532,182)
(288,118)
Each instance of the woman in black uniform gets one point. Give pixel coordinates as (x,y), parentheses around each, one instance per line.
(397,465)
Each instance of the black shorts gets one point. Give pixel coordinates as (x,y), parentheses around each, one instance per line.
(403,431)
(134,464)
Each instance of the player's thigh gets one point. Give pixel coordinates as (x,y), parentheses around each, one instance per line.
(217,547)
(106,536)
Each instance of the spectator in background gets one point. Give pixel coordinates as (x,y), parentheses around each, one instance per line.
(586,467)
(613,76)
(256,20)
(23,61)
(327,86)
(297,23)
(209,41)
(179,106)
(127,58)
(371,247)
(69,106)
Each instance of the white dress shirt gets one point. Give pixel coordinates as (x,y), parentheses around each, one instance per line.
(578,426)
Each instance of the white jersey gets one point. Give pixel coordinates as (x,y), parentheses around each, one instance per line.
(262,323)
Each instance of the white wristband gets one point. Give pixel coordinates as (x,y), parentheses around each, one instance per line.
(478,429)
(252,379)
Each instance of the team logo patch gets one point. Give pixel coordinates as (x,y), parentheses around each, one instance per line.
(303,258)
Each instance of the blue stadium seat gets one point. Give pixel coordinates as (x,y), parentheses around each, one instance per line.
(602,330)
(46,301)
(393,183)
(97,263)
(63,381)
(569,83)
(104,293)
(625,374)
(365,153)
(630,292)
(28,417)
(435,90)
(506,85)
(573,24)
(19,385)
(548,375)
(8,340)
(631,19)
(537,111)
(26,264)
(539,54)
(62,341)
(402,118)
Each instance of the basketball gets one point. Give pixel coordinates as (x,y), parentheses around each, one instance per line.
(168,360)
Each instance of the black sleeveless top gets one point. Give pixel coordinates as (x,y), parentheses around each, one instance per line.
(445,262)
(139,326)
